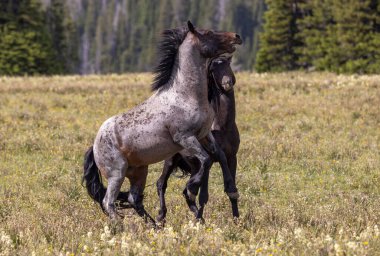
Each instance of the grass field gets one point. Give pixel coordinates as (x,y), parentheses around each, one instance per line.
(308,171)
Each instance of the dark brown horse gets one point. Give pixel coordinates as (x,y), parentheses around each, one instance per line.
(227,140)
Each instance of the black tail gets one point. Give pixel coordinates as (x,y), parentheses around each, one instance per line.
(183,167)
(93,181)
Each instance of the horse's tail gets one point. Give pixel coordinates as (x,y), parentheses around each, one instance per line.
(183,167)
(92,178)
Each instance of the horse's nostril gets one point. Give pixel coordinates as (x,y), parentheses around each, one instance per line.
(237,36)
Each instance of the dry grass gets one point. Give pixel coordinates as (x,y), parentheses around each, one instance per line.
(308,173)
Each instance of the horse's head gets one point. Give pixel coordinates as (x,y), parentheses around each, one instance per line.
(221,74)
(213,43)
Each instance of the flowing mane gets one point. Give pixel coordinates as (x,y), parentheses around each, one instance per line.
(167,51)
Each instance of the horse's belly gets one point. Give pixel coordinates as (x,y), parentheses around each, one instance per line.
(150,152)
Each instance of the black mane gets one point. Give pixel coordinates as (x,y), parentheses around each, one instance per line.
(214,91)
(167,51)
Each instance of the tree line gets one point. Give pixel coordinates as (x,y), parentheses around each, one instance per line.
(117,36)
(342,36)
(111,36)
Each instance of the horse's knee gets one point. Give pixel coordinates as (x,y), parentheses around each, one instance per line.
(233,195)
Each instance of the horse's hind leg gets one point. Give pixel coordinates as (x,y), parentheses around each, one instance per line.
(232,164)
(116,175)
(136,193)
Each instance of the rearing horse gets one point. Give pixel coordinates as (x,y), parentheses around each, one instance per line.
(175,117)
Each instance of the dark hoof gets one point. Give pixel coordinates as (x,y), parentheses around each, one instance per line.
(236,219)
(191,204)
(160,224)
(201,220)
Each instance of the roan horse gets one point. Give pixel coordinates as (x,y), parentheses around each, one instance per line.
(227,139)
(175,117)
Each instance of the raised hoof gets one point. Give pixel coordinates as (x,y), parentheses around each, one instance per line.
(190,203)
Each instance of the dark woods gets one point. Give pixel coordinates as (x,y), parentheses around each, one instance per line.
(342,36)
(117,36)
(113,36)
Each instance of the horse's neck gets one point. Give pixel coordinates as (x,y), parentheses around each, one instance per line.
(229,114)
(191,77)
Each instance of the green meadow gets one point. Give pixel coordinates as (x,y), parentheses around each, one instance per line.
(308,170)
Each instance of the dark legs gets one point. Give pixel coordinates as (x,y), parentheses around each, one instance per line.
(138,181)
(229,173)
(203,194)
(228,176)
(230,144)
(162,183)
(194,148)
(232,164)
(200,168)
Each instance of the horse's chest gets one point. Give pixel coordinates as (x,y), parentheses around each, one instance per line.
(202,122)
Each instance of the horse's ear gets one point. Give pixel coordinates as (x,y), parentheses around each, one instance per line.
(190,26)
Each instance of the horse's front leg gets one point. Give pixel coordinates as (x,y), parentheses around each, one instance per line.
(189,164)
(203,194)
(195,149)
(162,182)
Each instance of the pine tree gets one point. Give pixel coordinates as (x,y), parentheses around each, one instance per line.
(55,23)
(25,46)
(355,30)
(339,36)
(279,41)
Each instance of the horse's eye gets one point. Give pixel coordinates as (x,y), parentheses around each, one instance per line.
(209,33)
(219,62)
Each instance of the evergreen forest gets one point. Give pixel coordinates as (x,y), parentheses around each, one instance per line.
(119,36)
